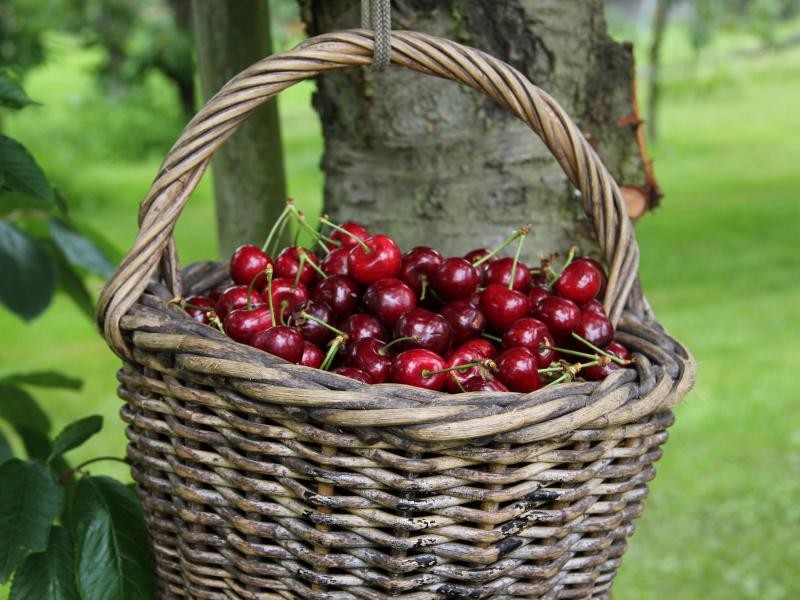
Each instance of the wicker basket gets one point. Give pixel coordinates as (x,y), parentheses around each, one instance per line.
(262,479)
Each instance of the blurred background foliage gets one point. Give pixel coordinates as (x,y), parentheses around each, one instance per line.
(115,82)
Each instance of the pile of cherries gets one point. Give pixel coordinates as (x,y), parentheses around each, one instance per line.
(365,310)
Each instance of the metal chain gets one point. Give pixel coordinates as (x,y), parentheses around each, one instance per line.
(377,15)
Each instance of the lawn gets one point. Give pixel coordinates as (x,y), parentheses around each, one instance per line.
(720,266)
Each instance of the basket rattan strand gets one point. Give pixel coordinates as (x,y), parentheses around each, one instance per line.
(262,479)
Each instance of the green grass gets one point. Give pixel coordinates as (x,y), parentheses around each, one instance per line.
(719,265)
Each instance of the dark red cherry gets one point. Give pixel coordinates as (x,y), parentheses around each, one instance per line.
(463,355)
(311,329)
(597,372)
(479,384)
(348,241)
(594,328)
(340,293)
(502,306)
(499,272)
(535,297)
(387,299)
(466,320)
(540,281)
(597,265)
(352,373)
(532,334)
(380,259)
(431,330)
(313,356)
(285,297)
(474,298)
(455,278)
(199,308)
(517,369)
(475,255)
(232,298)
(419,264)
(248,262)
(335,263)
(215,292)
(482,346)
(594,306)
(242,324)
(283,342)
(579,282)
(288,263)
(369,356)
(414,367)
(561,316)
(361,326)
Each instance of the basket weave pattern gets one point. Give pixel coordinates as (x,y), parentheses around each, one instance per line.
(262,479)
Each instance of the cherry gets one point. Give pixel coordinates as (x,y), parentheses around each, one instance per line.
(352,373)
(287,264)
(466,320)
(464,355)
(387,299)
(335,263)
(597,265)
(361,326)
(595,329)
(232,298)
(561,316)
(578,282)
(417,367)
(312,329)
(199,308)
(455,278)
(369,356)
(215,292)
(474,256)
(479,384)
(499,271)
(312,355)
(503,306)
(535,297)
(594,306)
(283,342)
(430,330)
(418,266)
(531,334)
(482,346)
(340,293)
(598,372)
(242,324)
(354,229)
(286,296)
(517,369)
(377,257)
(247,262)
(474,298)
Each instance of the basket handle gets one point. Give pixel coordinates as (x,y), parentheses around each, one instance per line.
(430,55)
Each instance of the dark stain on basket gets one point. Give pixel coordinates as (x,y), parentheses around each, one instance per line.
(508,545)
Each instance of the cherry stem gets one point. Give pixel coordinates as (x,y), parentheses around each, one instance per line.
(313,265)
(313,319)
(488,363)
(300,217)
(522,239)
(324,220)
(269,294)
(558,369)
(277,227)
(337,343)
(517,234)
(491,337)
(424,283)
(217,323)
(268,272)
(620,361)
(195,307)
(567,351)
(65,477)
(411,338)
(303,260)
(568,262)
(571,371)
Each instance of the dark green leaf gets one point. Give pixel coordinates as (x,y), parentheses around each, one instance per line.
(71,283)
(75,434)
(112,553)
(5,449)
(20,172)
(11,93)
(30,499)
(20,409)
(37,444)
(108,249)
(80,252)
(46,379)
(27,273)
(48,575)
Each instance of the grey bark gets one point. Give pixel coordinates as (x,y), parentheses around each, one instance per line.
(432,162)
(249,180)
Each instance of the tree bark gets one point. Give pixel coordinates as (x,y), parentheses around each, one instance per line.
(432,162)
(249,180)
(660,19)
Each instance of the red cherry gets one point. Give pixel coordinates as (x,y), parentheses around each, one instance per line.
(597,265)
(352,373)
(474,256)
(361,326)
(474,298)
(455,278)
(499,272)
(232,298)
(313,356)
(246,263)
(463,355)
(242,324)
(285,297)
(408,367)
(598,373)
(466,320)
(216,291)
(517,369)
(479,384)
(594,306)
(340,293)
(531,334)
(594,328)
(195,308)
(347,241)
(335,263)
(387,299)
(579,282)
(288,263)
(482,346)
(369,356)
(561,316)
(379,260)
(283,342)
(535,297)
(419,264)
(432,330)
(539,280)
(503,306)
(311,329)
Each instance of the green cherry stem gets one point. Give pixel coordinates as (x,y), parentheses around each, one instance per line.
(195,307)
(312,264)
(268,272)
(517,234)
(277,227)
(412,338)
(66,476)
(570,257)
(337,343)
(523,236)
(620,361)
(486,362)
(325,221)
(269,294)
(328,326)
(570,352)
(491,337)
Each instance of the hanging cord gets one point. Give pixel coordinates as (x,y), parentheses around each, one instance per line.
(377,15)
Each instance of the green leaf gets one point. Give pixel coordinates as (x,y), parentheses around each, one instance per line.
(20,172)
(71,283)
(114,254)
(75,434)
(48,575)
(112,551)
(20,409)
(30,499)
(27,273)
(6,453)
(79,251)
(11,93)
(45,379)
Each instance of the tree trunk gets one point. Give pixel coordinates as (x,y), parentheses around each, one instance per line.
(660,18)
(432,162)
(249,181)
